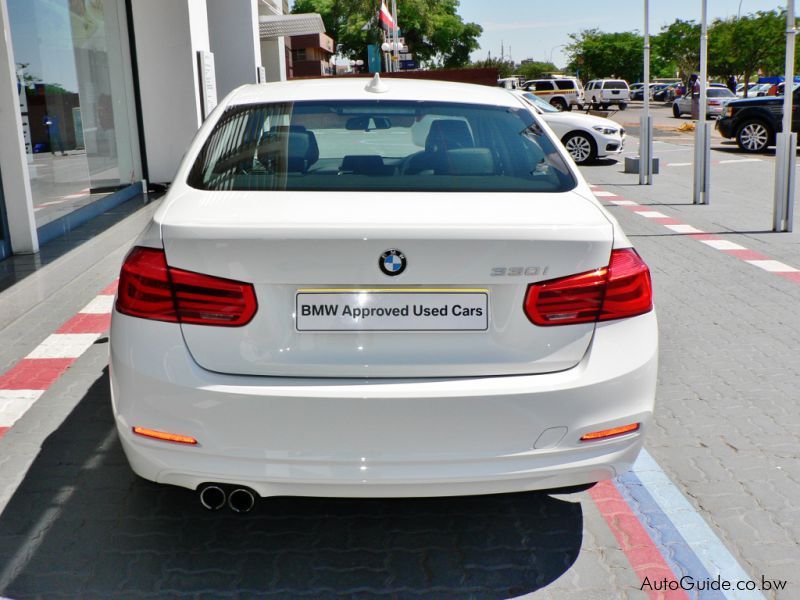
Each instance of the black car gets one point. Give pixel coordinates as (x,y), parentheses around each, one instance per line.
(753,122)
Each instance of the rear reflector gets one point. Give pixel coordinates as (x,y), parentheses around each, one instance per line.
(150,289)
(607,433)
(622,289)
(164,436)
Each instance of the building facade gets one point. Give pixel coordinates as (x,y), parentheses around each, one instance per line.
(98,95)
(311,55)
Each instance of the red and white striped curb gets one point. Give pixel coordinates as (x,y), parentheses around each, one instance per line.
(709,239)
(25,382)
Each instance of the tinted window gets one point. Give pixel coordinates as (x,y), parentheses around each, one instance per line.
(544,85)
(379,145)
(615,85)
(565,84)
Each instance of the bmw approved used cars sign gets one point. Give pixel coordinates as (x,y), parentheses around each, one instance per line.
(392,310)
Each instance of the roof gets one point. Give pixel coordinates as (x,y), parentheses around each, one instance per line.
(275,26)
(353,88)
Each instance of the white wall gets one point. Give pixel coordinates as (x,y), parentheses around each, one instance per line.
(168,36)
(233,32)
(13,162)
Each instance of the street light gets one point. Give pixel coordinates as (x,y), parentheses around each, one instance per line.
(550,60)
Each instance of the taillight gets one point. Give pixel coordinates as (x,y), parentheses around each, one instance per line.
(150,289)
(622,289)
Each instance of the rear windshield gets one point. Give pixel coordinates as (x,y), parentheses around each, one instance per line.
(615,85)
(379,145)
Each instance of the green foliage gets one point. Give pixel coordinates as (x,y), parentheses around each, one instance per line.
(678,48)
(433,30)
(739,46)
(505,68)
(536,69)
(745,45)
(596,54)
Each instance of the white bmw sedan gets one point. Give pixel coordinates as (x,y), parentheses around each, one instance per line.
(586,137)
(375,289)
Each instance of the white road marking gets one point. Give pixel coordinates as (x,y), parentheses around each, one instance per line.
(773,266)
(678,164)
(101,305)
(683,228)
(64,345)
(652,214)
(602,194)
(624,202)
(739,160)
(723,245)
(14,404)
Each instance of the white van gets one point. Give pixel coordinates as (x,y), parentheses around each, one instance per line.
(602,93)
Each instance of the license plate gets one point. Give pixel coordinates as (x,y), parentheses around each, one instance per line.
(382,310)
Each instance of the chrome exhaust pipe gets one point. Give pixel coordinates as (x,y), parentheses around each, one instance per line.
(212,497)
(241,500)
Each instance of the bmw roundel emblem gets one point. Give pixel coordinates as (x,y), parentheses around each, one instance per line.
(392,262)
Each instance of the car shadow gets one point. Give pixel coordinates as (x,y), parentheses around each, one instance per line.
(81,524)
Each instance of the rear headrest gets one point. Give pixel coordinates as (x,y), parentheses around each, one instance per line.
(467,161)
(448,134)
(365,164)
(301,146)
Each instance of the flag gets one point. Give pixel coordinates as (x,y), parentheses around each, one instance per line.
(387,22)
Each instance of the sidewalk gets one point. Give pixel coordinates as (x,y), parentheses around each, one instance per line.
(727,425)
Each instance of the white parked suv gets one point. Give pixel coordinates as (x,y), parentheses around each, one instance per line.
(602,93)
(380,288)
(586,137)
(562,92)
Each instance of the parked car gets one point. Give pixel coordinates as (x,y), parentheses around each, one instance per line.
(716,100)
(667,92)
(753,122)
(585,137)
(602,93)
(562,92)
(637,90)
(380,288)
(758,90)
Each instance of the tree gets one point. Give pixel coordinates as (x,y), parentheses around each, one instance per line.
(536,70)
(596,54)
(505,68)
(678,47)
(433,30)
(746,44)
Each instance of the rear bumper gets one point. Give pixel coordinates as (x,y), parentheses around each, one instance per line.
(380,438)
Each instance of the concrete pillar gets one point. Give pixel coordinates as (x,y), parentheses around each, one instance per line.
(233,32)
(273,57)
(168,37)
(13,162)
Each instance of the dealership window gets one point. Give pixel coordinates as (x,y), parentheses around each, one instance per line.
(76,101)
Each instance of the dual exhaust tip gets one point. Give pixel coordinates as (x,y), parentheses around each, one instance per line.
(214,496)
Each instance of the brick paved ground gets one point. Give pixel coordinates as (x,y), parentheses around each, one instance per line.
(75,521)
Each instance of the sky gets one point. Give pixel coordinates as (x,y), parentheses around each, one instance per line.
(538,29)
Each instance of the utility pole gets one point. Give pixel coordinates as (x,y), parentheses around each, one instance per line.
(786,141)
(645,122)
(702,134)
